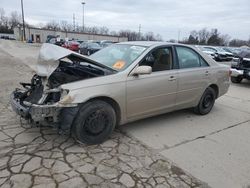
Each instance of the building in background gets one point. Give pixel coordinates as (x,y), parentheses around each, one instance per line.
(40,35)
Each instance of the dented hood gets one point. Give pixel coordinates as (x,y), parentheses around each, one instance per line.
(50,55)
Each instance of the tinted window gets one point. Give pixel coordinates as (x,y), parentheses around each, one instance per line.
(188,58)
(159,59)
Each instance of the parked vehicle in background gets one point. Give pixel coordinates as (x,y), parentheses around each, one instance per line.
(89,48)
(7,37)
(72,45)
(210,53)
(220,54)
(105,43)
(240,66)
(80,41)
(90,96)
(56,41)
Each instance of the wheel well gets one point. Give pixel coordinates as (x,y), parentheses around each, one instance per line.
(216,89)
(113,103)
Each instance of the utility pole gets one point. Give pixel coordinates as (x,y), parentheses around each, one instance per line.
(140,32)
(24,36)
(179,34)
(74,22)
(83,3)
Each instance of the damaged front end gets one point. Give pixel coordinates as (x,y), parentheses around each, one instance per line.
(43,101)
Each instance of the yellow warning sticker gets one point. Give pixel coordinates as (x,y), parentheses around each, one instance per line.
(119,64)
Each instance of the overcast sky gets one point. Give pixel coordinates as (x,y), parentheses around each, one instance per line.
(166,17)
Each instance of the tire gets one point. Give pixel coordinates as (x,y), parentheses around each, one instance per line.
(236,80)
(94,122)
(206,102)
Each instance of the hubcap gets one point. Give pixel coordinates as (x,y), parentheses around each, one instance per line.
(96,122)
(208,100)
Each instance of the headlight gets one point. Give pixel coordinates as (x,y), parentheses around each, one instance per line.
(65,97)
(64,92)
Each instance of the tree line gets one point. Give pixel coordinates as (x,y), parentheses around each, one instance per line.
(213,38)
(131,35)
(8,23)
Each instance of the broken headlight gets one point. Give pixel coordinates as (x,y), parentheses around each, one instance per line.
(65,97)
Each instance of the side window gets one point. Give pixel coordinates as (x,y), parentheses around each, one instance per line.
(188,58)
(160,59)
(203,63)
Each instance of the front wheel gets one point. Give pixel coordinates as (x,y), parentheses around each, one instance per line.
(206,102)
(236,80)
(94,122)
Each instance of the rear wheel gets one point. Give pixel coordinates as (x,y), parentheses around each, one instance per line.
(94,123)
(237,79)
(206,102)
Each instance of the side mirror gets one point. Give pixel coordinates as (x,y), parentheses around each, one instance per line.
(142,70)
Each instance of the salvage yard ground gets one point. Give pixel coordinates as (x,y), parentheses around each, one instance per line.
(179,149)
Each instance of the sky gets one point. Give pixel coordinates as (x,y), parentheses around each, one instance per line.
(169,18)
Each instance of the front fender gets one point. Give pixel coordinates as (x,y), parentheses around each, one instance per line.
(115,91)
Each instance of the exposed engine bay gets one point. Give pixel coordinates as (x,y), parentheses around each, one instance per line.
(39,100)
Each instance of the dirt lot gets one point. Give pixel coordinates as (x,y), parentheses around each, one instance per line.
(162,151)
(39,157)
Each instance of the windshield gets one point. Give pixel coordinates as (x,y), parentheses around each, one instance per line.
(118,56)
(209,49)
(220,50)
(94,45)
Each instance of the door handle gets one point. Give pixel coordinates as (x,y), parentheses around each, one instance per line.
(171,78)
(207,73)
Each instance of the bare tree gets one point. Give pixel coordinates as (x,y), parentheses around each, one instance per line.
(3,18)
(225,39)
(65,26)
(103,30)
(203,36)
(52,25)
(14,19)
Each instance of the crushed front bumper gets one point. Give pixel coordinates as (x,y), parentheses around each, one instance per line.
(35,112)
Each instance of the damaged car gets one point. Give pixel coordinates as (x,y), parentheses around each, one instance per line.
(89,96)
(240,66)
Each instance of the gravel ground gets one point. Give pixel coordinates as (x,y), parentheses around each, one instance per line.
(39,157)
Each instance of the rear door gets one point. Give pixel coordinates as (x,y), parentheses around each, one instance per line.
(194,76)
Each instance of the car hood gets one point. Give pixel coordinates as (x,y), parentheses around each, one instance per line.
(222,53)
(50,56)
(229,53)
(208,52)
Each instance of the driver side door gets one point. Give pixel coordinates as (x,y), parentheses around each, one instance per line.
(153,93)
